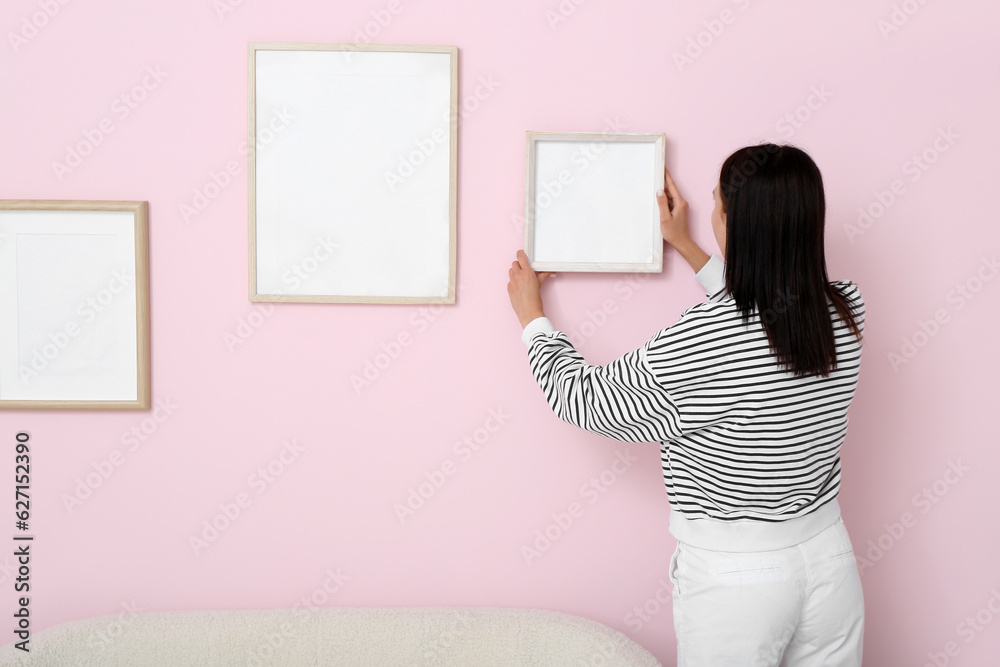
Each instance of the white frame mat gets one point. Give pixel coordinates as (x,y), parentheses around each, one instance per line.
(352,162)
(74,304)
(590,201)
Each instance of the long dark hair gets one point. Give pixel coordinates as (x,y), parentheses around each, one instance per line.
(775,257)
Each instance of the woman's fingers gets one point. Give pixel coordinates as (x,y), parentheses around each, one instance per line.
(675,195)
(521,262)
(661,200)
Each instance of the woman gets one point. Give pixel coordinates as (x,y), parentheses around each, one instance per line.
(748,395)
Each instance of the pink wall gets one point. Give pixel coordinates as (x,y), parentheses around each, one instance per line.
(879,102)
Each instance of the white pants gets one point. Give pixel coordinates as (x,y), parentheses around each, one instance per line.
(794,607)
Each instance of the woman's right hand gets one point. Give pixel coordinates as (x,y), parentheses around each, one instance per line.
(673,213)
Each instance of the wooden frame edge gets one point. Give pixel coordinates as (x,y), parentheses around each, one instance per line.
(140,212)
(453,52)
(532,137)
(252,167)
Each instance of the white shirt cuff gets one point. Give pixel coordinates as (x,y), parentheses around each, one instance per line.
(537,325)
(712,276)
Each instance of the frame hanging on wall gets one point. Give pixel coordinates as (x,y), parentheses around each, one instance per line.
(74,304)
(590,201)
(352,161)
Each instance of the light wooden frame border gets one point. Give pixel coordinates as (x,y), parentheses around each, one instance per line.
(532,138)
(140,211)
(252,49)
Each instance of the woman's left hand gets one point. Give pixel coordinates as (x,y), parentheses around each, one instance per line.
(524,289)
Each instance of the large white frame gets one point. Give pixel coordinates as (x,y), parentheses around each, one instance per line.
(590,201)
(352,161)
(74,304)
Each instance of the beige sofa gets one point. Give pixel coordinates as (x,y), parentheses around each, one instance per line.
(342,636)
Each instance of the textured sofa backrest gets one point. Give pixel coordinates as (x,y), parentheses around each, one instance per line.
(342,636)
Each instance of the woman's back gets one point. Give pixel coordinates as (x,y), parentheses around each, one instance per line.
(744,443)
(755,441)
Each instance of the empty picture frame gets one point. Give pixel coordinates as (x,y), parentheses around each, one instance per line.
(352,168)
(590,201)
(74,304)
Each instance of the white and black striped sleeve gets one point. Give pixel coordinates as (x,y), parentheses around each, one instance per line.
(621,400)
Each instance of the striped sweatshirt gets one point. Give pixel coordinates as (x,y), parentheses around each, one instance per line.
(750,453)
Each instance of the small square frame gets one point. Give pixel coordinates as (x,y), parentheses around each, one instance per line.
(582,202)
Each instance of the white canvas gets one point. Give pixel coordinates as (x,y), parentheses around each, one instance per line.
(353,195)
(67,305)
(593,205)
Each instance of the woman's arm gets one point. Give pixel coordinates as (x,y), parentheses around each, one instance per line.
(709,270)
(692,253)
(622,400)
(674,223)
